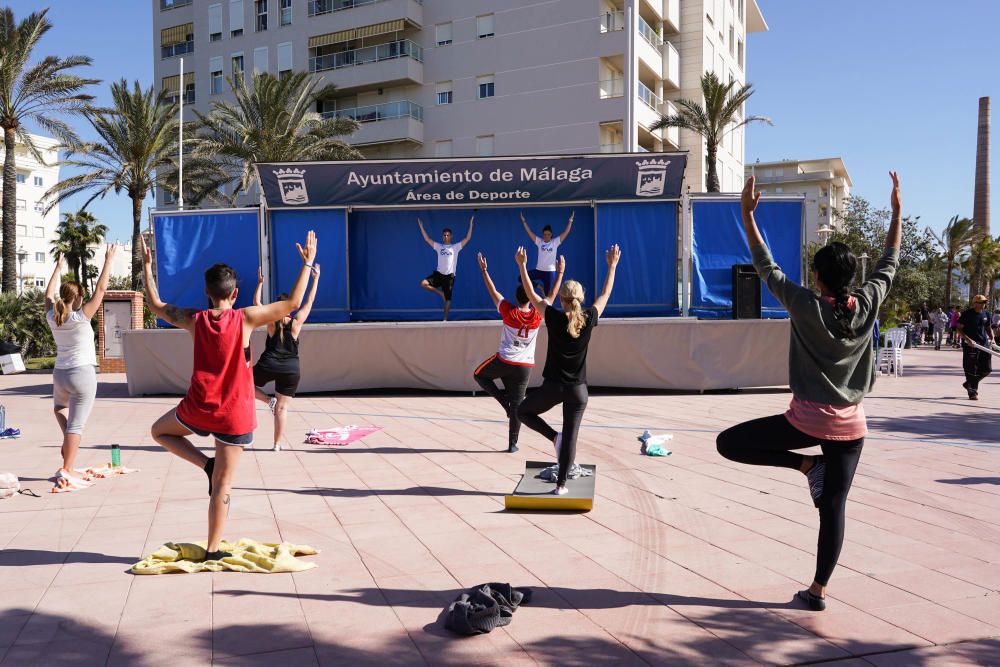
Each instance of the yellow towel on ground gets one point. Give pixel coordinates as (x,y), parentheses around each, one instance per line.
(248,556)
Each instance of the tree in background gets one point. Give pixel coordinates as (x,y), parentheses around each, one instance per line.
(271,121)
(983,261)
(719,116)
(76,235)
(954,242)
(135,152)
(35,93)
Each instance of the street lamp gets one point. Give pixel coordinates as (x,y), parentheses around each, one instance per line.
(22,257)
(864,265)
(824,234)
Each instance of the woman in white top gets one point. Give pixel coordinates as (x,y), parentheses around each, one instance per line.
(74,380)
(544,272)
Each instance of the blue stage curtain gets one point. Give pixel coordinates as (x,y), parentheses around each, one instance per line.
(330,225)
(718,242)
(189,243)
(646,280)
(388,258)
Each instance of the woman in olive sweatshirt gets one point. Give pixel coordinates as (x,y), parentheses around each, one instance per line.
(831,369)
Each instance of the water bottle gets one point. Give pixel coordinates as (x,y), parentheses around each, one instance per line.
(116,456)
(3,418)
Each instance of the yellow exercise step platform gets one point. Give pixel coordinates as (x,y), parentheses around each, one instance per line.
(533,493)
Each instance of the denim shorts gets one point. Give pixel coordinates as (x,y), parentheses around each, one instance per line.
(225,438)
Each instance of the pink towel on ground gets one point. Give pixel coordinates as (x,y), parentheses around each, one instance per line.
(340,436)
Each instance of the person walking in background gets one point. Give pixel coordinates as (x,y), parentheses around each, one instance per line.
(953,326)
(74,378)
(548,247)
(974,326)
(925,323)
(940,326)
(831,366)
(442,281)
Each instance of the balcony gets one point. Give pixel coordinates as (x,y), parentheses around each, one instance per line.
(178,49)
(670,135)
(173,4)
(672,14)
(319,7)
(365,55)
(671,67)
(612,21)
(647,112)
(386,123)
(652,37)
(649,48)
(612,88)
(381,66)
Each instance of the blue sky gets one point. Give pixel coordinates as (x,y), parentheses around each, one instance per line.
(882,83)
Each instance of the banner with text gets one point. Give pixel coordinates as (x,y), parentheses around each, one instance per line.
(472,181)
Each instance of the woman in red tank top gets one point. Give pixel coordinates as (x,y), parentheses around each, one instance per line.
(220,399)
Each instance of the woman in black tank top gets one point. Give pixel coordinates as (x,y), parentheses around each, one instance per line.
(279,363)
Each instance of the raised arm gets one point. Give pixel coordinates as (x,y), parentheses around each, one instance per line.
(531,234)
(877,284)
(50,290)
(468,236)
(260,288)
(783,289)
(569,227)
(521,257)
(90,308)
(490,287)
(612,256)
(303,313)
(423,232)
(894,237)
(258,316)
(560,270)
(182,318)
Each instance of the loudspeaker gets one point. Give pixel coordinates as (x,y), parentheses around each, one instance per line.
(746,292)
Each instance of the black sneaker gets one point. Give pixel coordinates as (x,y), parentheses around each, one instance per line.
(217,555)
(815,478)
(814,602)
(511,449)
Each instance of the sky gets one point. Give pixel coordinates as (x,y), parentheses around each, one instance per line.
(884,84)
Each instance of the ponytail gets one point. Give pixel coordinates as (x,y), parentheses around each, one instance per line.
(835,266)
(571,296)
(842,313)
(69,292)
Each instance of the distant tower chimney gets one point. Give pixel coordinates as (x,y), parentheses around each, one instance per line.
(981,202)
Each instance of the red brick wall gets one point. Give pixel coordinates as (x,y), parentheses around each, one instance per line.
(117,365)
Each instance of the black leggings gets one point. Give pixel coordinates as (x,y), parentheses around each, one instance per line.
(767,441)
(515,383)
(574,401)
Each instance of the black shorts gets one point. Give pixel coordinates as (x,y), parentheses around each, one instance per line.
(442,282)
(240,440)
(285,382)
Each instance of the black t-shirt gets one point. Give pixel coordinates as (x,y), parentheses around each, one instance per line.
(976,325)
(566,361)
(281,351)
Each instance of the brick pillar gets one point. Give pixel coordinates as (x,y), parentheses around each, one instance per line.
(135,299)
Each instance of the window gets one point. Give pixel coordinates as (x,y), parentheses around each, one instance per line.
(40,257)
(237,65)
(486,87)
(215,74)
(260,59)
(22,178)
(171,4)
(176,40)
(39,208)
(40,232)
(286,12)
(235,18)
(444,92)
(22,230)
(779,189)
(442,32)
(443,148)
(39,282)
(709,55)
(484,145)
(215,22)
(739,10)
(168,197)
(485,26)
(22,205)
(260,11)
(732,42)
(284,58)
(739,52)
(38,181)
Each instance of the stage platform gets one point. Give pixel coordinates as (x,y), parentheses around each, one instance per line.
(642,353)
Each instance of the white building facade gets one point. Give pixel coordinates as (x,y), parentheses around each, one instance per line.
(35,231)
(443,78)
(824,182)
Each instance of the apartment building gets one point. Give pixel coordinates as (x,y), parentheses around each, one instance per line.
(35,231)
(825,184)
(442,78)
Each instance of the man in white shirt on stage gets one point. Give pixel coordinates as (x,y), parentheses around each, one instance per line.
(544,272)
(442,281)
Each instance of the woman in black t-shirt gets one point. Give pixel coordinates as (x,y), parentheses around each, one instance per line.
(565,374)
(279,363)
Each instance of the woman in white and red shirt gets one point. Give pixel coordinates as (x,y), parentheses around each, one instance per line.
(514,359)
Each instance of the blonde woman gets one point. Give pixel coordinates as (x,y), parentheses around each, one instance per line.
(74,380)
(565,373)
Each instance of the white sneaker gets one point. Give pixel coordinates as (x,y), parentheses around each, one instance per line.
(277,447)
(558,443)
(560,491)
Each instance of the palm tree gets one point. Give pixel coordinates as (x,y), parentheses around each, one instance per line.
(983,260)
(273,121)
(67,244)
(719,116)
(954,242)
(135,150)
(76,235)
(91,233)
(31,93)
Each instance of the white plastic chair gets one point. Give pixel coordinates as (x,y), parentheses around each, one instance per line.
(890,358)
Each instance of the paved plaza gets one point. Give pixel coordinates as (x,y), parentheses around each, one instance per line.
(688,559)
